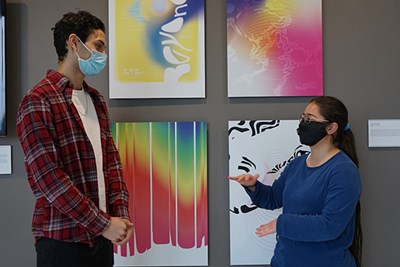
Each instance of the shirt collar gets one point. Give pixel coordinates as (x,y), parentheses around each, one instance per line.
(62,81)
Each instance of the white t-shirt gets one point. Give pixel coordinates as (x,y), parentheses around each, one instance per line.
(84,104)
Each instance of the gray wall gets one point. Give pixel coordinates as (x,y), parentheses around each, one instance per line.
(361,67)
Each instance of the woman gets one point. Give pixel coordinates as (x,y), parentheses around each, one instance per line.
(319,193)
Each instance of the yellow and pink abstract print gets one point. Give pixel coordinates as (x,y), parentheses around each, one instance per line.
(274,48)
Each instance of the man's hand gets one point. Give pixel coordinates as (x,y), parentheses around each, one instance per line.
(118,231)
(129,232)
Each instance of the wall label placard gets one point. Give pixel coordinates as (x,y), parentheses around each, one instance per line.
(384,133)
(5,159)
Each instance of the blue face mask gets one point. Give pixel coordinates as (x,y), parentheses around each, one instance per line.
(93,65)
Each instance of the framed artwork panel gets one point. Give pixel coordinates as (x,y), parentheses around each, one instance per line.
(165,168)
(274,48)
(264,147)
(3,102)
(156,49)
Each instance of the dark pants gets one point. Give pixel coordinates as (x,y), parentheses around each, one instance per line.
(55,253)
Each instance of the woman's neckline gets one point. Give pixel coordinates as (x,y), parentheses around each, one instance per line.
(322,161)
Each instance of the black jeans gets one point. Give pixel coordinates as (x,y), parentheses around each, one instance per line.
(55,253)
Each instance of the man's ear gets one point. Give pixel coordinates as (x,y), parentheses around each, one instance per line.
(72,41)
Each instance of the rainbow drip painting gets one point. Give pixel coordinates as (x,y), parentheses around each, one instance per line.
(165,169)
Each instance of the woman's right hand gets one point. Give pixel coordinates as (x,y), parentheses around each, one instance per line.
(246,179)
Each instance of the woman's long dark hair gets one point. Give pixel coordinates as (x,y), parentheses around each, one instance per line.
(333,110)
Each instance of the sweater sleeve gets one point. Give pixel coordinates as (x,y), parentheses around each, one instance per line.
(338,210)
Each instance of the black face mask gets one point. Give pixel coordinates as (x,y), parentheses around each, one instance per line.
(312,132)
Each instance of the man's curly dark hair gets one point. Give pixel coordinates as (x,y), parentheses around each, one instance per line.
(81,23)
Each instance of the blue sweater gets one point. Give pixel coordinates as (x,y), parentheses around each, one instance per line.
(317,223)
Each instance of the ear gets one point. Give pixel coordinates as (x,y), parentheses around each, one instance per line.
(332,127)
(72,41)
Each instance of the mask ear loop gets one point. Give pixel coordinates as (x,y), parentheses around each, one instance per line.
(74,45)
(87,48)
(76,51)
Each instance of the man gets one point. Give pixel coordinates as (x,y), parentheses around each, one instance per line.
(72,163)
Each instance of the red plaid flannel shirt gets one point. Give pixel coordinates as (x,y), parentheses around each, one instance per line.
(60,163)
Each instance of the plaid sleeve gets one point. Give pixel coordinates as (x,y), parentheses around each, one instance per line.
(118,193)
